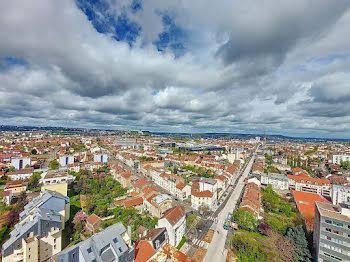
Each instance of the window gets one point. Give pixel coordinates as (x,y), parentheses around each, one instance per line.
(54,246)
(328,221)
(54,240)
(115,240)
(120,249)
(73,255)
(89,250)
(328,229)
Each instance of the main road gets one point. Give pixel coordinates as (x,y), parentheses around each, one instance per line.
(216,250)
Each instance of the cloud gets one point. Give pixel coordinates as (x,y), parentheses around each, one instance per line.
(177,65)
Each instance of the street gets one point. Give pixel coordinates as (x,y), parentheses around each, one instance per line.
(216,250)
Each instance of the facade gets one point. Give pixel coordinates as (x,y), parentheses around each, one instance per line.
(22,174)
(158,204)
(16,187)
(38,234)
(112,244)
(340,194)
(65,160)
(20,162)
(174,220)
(200,198)
(305,183)
(101,158)
(331,237)
(251,200)
(277,181)
(337,159)
(55,181)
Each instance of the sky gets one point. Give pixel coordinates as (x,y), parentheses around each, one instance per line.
(254,66)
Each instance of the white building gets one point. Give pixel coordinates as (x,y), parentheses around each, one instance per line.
(277,181)
(20,162)
(340,194)
(174,220)
(340,158)
(101,158)
(66,160)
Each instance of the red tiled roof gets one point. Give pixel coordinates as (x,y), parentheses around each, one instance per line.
(133,202)
(205,193)
(143,251)
(140,183)
(305,179)
(93,219)
(180,185)
(174,214)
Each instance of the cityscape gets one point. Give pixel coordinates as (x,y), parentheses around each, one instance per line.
(174,131)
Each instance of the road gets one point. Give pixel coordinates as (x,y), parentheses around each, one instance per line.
(216,250)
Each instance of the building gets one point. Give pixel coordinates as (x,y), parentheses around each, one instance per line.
(202,198)
(340,194)
(38,234)
(277,181)
(158,204)
(93,223)
(251,200)
(305,183)
(174,220)
(22,174)
(337,159)
(20,162)
(101,158)
(331,232)
(65,160)
(111,244)
(16,187)
(55,180)
(306,205)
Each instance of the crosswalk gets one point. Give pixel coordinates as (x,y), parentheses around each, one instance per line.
(200,243)
(215,220)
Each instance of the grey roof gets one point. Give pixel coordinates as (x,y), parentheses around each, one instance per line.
(161,198)
(43,198)
(105,246)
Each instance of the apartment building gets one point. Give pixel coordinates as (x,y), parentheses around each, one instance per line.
(305,183)
(340,194)
(174,220)
(101,158)
(251,200)
(38,234)
(20,162)
(277,181)
(112,244)
(337,159)
(331,237)
(65,160)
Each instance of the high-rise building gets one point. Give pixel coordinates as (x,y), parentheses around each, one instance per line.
(331,237)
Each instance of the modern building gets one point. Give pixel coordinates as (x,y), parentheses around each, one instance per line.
(174,220)
(337,159)
(304,183)
(277,181)
(20,162)
(331,237)
(340,194)
(38,234)
(112,244)
(65,160)
(56,180)
(101,158)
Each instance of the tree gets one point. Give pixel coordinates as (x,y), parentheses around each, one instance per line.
(297,237)
(54,164)
(344,164)
(265,229)
(285,249)
(34,180)
(203,208)
(34,152)
(278,224)
(270,199)
(245,219)
(22,201)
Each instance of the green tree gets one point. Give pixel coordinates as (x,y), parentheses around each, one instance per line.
(270,199)
(33,152)
(245,219)
(54,164)
(278,223)
(345,164)
(34,180)
(297,237)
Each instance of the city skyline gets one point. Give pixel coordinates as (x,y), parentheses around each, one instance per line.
(175,66)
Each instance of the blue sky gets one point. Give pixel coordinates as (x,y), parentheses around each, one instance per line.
(179,66)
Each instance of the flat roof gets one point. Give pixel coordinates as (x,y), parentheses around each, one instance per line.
(331,211)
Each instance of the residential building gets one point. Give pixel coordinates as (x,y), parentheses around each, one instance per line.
(111,244)
(16,187)
(174,220)
(305,202)
(55,180)
(93,223)
(304,183)
(22,174)
(331,232)
(37,235)
(6,197)
(101,158)
(277,181)
(340,194)
(337,159)
(65,160)
(182,191)
(158,204)
(20,162)
(202,198)
(251,200)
